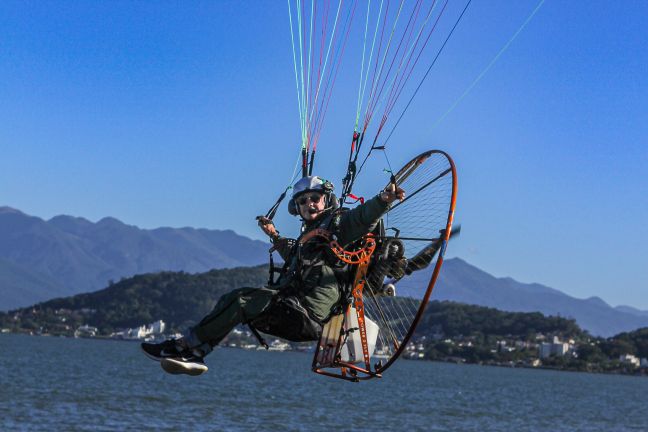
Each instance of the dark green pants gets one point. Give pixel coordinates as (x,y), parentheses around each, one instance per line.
(247,304)
(236,307)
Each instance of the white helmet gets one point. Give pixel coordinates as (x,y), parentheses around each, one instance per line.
(312,184)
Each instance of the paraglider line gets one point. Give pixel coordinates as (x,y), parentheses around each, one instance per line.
(490,65)
(428,70)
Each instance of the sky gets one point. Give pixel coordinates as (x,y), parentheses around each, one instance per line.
(185,114)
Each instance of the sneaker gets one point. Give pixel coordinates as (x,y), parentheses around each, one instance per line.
(162,350)
(187,364)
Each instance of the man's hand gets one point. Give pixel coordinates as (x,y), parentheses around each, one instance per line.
(392,193)
(268,227)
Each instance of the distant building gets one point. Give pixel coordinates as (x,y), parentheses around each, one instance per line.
(157,327)
(139,332)
(503,347)
(556,348)
(277,345)
(544,350)
(630,359)
(145,332)
(522,344)
(86,331)
(644,363)
(560,349)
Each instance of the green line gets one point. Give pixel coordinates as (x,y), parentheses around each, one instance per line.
(492,62)
(308,72)
(292,42)
(328,51)
(407,55)
(373,44)
(364,49)
(301,70)
(382,64)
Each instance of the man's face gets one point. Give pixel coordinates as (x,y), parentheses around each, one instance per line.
(311,205)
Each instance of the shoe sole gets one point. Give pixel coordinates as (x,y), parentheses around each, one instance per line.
(175,367)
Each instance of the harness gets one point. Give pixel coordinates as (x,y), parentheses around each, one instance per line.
(318,237)
(286,317)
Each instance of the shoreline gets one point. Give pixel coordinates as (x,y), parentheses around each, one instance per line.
(640,372)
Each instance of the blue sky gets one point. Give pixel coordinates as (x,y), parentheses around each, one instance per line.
(184,114)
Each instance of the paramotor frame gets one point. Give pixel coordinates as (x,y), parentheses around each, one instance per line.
(377,325)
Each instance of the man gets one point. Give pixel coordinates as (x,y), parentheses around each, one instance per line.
(307,291)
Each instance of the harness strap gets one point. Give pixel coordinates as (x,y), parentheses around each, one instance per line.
(271,270)
(256,333)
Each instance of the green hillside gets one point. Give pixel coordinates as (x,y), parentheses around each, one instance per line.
(178,298)
(181,299)
(448,330)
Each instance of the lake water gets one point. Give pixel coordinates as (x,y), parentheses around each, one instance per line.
(58,384)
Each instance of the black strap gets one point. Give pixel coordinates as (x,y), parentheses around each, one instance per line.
(271,270)
(273,210)
(256,333)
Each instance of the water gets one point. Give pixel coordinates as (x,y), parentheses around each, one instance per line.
(83,384)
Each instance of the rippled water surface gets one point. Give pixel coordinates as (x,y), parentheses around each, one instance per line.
(82,384)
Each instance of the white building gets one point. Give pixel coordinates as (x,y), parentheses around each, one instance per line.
(146,332)
(157,327)
(557,348)
(139,332)
(630,359)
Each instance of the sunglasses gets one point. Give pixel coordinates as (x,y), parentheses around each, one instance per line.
(314,198)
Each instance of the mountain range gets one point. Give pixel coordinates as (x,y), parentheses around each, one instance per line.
(464,283)
(66,255)
(41,259)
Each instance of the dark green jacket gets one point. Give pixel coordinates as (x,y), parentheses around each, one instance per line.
(311,271)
